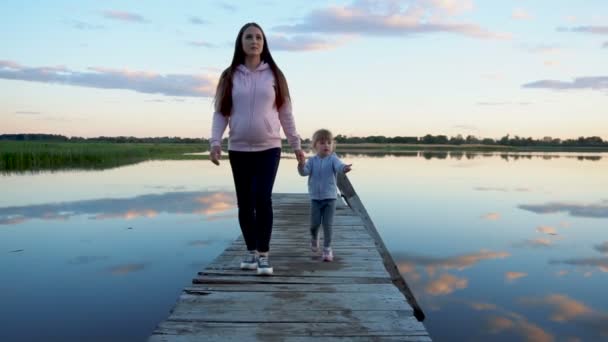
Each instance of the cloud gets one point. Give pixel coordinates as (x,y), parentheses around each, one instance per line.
(205,203)
(227,6)
(519,326)
(601,263)
(105,78)
(483,306)
(585,29)
(512,276)
(551,63)
(507,103)
(562,307)
(200,43)
(581,210)
(301,43)
(546,230)
(602,248)
(197,21)
(542,48)
(466,127)
(458,262)
(491,216)
(81,25)
(534,243)
(520,14)
(215,203)
(591,82)
(123,16)
(199,243)
(389,18)
(127,215)
(126,269)
(605,45)
(489,188)
(86,259)
(445,284)
(27,112)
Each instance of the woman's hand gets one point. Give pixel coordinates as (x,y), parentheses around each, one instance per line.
(300,156)
(215,154)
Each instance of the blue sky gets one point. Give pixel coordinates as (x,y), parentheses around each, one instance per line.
(486,68)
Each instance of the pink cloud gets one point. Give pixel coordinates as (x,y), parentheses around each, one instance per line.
(521,14)
(123,16)
(390,19)
(445,284)
(109,78)
(512,276)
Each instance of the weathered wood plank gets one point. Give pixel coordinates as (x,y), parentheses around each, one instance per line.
(353,298)
(196,313)
(386,288)
(249,278)
(407,327)
(295,300)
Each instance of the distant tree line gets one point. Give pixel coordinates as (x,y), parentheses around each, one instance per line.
(62,138)
(507,140)
(428,139)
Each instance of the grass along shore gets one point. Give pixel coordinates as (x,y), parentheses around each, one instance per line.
(20,156)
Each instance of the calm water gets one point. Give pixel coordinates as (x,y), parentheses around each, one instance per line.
(501,247)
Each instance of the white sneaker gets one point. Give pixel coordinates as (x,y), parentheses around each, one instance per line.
(314,245)
(264,267)
(328,254)
(250,261)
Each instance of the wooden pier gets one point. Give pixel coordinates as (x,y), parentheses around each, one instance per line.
(360,296)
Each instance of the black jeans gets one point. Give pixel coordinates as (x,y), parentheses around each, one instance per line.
(254,174)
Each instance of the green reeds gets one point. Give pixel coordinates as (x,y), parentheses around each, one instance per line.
(18,156)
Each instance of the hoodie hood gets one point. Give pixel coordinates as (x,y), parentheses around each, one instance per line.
(263,66)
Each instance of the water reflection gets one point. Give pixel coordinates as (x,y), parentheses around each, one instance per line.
(600,262)
(460,154)
(512,276)
(534,243)
(467,240)
(516,327)
(563,309)
(599,210)
(602,248)
(444,283)
(458,262)
(126,269)
(209,204)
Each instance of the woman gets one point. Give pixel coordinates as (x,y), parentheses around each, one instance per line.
(252,98)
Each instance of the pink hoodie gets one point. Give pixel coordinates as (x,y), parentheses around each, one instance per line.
(255,122)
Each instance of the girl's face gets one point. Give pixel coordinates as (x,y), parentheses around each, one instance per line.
(324,147)
(253,41)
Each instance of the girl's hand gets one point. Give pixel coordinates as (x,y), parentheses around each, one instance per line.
(300,156)
(215,154)
(347,168)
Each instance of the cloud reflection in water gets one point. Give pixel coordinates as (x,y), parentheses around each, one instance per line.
(202,203)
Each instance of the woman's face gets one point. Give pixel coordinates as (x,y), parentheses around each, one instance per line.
(252,41)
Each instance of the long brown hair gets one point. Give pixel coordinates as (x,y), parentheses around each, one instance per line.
(223,94)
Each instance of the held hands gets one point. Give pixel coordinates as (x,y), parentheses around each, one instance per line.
(215,154)
(300,157)
(347,168)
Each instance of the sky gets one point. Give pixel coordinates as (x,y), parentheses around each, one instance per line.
(386,67)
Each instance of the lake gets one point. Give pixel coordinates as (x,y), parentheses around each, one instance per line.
(495,246)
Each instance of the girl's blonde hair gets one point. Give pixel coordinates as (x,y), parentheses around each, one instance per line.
(322,134)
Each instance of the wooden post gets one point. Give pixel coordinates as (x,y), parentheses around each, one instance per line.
(354,202)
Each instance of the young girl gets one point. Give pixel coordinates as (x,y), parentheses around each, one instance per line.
(321,170)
